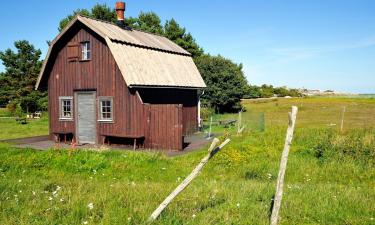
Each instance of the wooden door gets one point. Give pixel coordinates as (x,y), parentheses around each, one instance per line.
(85,118)
(163,129)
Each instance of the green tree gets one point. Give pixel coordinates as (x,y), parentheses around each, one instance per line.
(21,72)
(149,22)
(252,91)
(64,22)
(226,83)
(103,12)
(177,34)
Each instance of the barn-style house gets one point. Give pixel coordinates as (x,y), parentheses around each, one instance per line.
(108,83)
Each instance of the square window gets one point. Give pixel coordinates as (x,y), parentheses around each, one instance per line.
(106,108)
(66,107)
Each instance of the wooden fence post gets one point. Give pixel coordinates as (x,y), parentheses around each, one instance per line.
(284,160)
(211,152)
(342,118)
(209,131)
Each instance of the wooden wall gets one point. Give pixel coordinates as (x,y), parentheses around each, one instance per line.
(188,98)
(164,126)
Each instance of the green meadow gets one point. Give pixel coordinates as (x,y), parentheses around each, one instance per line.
(330,177)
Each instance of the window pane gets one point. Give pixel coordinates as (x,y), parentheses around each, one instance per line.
(106,109)
(66,108)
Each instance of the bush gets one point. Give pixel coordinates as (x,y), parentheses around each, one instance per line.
(206,112)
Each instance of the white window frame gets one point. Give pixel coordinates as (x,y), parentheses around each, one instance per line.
(100,110)
(86,50)
(61,107)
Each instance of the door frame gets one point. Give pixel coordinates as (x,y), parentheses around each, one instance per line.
(76,93)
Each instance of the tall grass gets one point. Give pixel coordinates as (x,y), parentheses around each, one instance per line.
(329,179)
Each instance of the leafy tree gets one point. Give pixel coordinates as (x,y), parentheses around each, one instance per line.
(252,91)
(64,22)
(21,72)
(177,34)
(225,82)
(149,22)
(103,12)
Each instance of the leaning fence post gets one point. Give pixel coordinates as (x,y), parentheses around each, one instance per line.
(284,160)
(211,152)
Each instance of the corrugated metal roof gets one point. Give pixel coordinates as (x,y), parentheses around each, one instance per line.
(146,67)
(144,59)
(114,32)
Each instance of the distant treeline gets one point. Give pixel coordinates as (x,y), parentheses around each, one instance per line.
(267,91)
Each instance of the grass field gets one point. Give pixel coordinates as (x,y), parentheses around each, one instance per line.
(330,177)
(11,129)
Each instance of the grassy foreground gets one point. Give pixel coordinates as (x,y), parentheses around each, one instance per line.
(329,180)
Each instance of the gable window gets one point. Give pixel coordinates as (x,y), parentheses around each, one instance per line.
(106,109)
(86,50)
(66,108)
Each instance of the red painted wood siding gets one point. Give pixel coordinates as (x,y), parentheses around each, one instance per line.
(164,121)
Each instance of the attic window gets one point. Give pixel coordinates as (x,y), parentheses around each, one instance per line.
(86,50)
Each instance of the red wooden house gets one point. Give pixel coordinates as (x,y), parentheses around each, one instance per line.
(108,83)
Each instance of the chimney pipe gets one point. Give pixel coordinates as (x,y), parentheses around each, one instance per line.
(120,11)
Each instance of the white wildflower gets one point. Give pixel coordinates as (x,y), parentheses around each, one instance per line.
(20,191)
(129,218)
(85,222)
(90,205)
(34,193)
(19,181)
(50,198)
(238,205)
(193,216)
(61,199)
(163,168)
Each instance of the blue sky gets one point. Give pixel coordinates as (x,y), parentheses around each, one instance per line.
(312,44)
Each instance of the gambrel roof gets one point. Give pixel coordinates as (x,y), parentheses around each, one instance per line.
(144,59)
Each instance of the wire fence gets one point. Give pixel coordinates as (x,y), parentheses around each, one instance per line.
(252,121)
